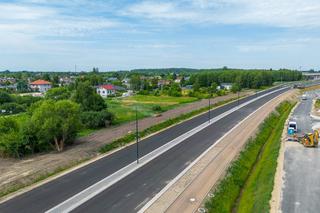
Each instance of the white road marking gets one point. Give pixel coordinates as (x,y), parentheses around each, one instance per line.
(143,209)
(93,190)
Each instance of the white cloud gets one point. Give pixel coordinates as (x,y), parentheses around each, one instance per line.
(277,13)
(47,21)
(159,10)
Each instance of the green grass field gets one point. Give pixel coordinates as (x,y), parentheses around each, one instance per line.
(124,108)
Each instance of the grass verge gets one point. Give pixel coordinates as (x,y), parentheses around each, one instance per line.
(317,104)
(165,124)
(248,183)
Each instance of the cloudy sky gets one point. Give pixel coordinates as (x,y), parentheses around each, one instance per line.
(128,34)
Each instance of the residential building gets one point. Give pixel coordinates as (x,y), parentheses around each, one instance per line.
(106,90)
(40,85)
(163,82)
(226,86)
(126,82)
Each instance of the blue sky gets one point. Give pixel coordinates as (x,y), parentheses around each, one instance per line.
(54,35)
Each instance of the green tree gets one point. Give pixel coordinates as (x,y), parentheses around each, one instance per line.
(174,90)
(56,123)
(58,93)
(213,88)
(235,87)
(5,97)
(135,82)
(22,86)
(87,97)
(196,85)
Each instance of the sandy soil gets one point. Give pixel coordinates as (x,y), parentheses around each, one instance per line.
(25,171)
(188,192)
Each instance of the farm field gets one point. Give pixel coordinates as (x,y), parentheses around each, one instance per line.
(124,108)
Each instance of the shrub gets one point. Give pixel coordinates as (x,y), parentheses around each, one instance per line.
(12,108)
(5,97)
(92,119)
(27,100)
(10,140)
(157,108)
(143,92)
(221,92)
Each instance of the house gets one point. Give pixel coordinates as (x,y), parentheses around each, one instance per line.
(66,80)
(112,79)
(126,82)
(40,85)
(128,93)
(226,86)
(106,90)
(178,80)
(163,82)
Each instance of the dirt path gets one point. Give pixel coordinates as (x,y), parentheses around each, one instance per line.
(189,191)
(25,171)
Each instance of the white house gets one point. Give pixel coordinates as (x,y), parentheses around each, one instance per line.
(40,85)
(106,90)
(226,86)
(126,82)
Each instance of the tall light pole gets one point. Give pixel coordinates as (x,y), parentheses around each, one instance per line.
(137,135)
(209,116)
(209,90)
(238,95)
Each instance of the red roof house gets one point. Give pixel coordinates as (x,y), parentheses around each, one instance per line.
(40,85)
(106,90)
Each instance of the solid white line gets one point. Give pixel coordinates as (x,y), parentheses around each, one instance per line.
(157,196)
(93,190)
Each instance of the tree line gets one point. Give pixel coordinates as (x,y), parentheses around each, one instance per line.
(252,79)
(54,121)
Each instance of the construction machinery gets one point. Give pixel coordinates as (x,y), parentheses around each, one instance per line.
(310,139)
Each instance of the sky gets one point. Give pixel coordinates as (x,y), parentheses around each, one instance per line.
(56,35)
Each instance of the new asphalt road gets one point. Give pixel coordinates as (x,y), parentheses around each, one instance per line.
(301,189)
(134,190)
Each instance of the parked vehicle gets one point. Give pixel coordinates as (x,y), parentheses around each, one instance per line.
(292,126)
(304,97)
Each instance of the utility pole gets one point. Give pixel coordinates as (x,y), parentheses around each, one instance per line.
(209,90)
(137,135)
(238,96)
(209,116)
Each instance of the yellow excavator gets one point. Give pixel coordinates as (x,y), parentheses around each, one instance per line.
(310,139)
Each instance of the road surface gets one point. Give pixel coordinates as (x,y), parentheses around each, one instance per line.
(301,188)
(134,190)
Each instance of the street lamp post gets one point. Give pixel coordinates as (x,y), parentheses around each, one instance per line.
(238,97)
(137,135)
(209,116)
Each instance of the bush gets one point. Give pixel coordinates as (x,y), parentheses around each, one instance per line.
(5,97)
(143,92)
(27,100)
(221,92)
(157,108)
(93,120)
(12,108)
(10,140)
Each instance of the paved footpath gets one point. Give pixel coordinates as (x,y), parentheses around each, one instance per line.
(14,171)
